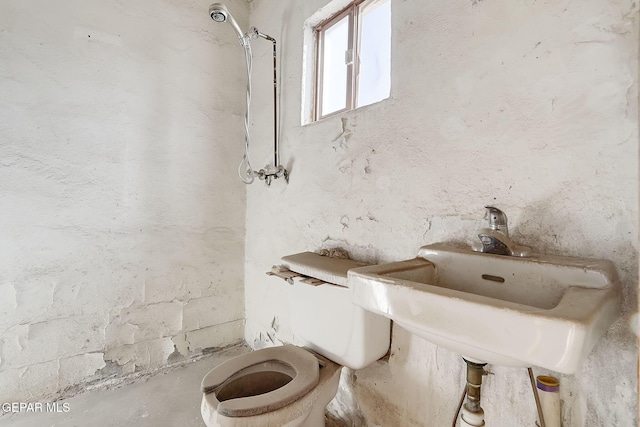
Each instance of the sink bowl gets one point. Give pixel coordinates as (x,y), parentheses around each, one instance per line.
(547,311)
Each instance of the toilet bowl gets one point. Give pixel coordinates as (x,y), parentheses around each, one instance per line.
(291,385)
(279,386)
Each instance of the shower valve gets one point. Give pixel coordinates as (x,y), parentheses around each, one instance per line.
(270,172)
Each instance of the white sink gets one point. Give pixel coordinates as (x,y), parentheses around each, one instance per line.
(546,311)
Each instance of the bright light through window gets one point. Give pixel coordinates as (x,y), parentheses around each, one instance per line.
(374,78)
(353,58)
(334,69)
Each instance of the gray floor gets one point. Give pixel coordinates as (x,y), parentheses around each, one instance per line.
(170,398)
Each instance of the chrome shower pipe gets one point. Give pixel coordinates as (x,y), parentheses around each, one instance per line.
(279,170)
(276,155)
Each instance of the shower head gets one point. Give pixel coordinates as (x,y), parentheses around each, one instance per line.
(220,13)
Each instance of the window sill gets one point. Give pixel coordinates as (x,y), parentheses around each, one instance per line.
(348,113)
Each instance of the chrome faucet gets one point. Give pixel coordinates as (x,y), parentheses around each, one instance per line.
(495,239)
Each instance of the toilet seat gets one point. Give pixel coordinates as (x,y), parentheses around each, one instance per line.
(281,363)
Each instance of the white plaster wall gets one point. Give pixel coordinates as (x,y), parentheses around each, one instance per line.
(531,106)
(122,219)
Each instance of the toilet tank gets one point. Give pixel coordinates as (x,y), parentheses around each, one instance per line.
(323,317)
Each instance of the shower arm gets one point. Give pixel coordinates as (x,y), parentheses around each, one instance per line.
(279,171)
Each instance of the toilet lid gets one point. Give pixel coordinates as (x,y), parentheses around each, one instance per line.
(286,361)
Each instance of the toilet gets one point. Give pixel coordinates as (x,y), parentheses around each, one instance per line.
(291,385)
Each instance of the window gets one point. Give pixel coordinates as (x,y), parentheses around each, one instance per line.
(353,58)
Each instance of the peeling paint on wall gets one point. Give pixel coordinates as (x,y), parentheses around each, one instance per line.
(531,106)
(122,218)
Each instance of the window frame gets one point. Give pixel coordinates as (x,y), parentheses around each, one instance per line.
(354,11)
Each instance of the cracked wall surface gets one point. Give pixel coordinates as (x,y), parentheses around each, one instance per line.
(122,217)
(531,106)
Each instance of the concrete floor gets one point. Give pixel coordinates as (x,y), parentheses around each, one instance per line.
(170,398)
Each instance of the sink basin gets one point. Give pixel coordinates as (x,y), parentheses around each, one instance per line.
(546,311)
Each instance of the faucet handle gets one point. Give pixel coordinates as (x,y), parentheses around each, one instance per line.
(497,220)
